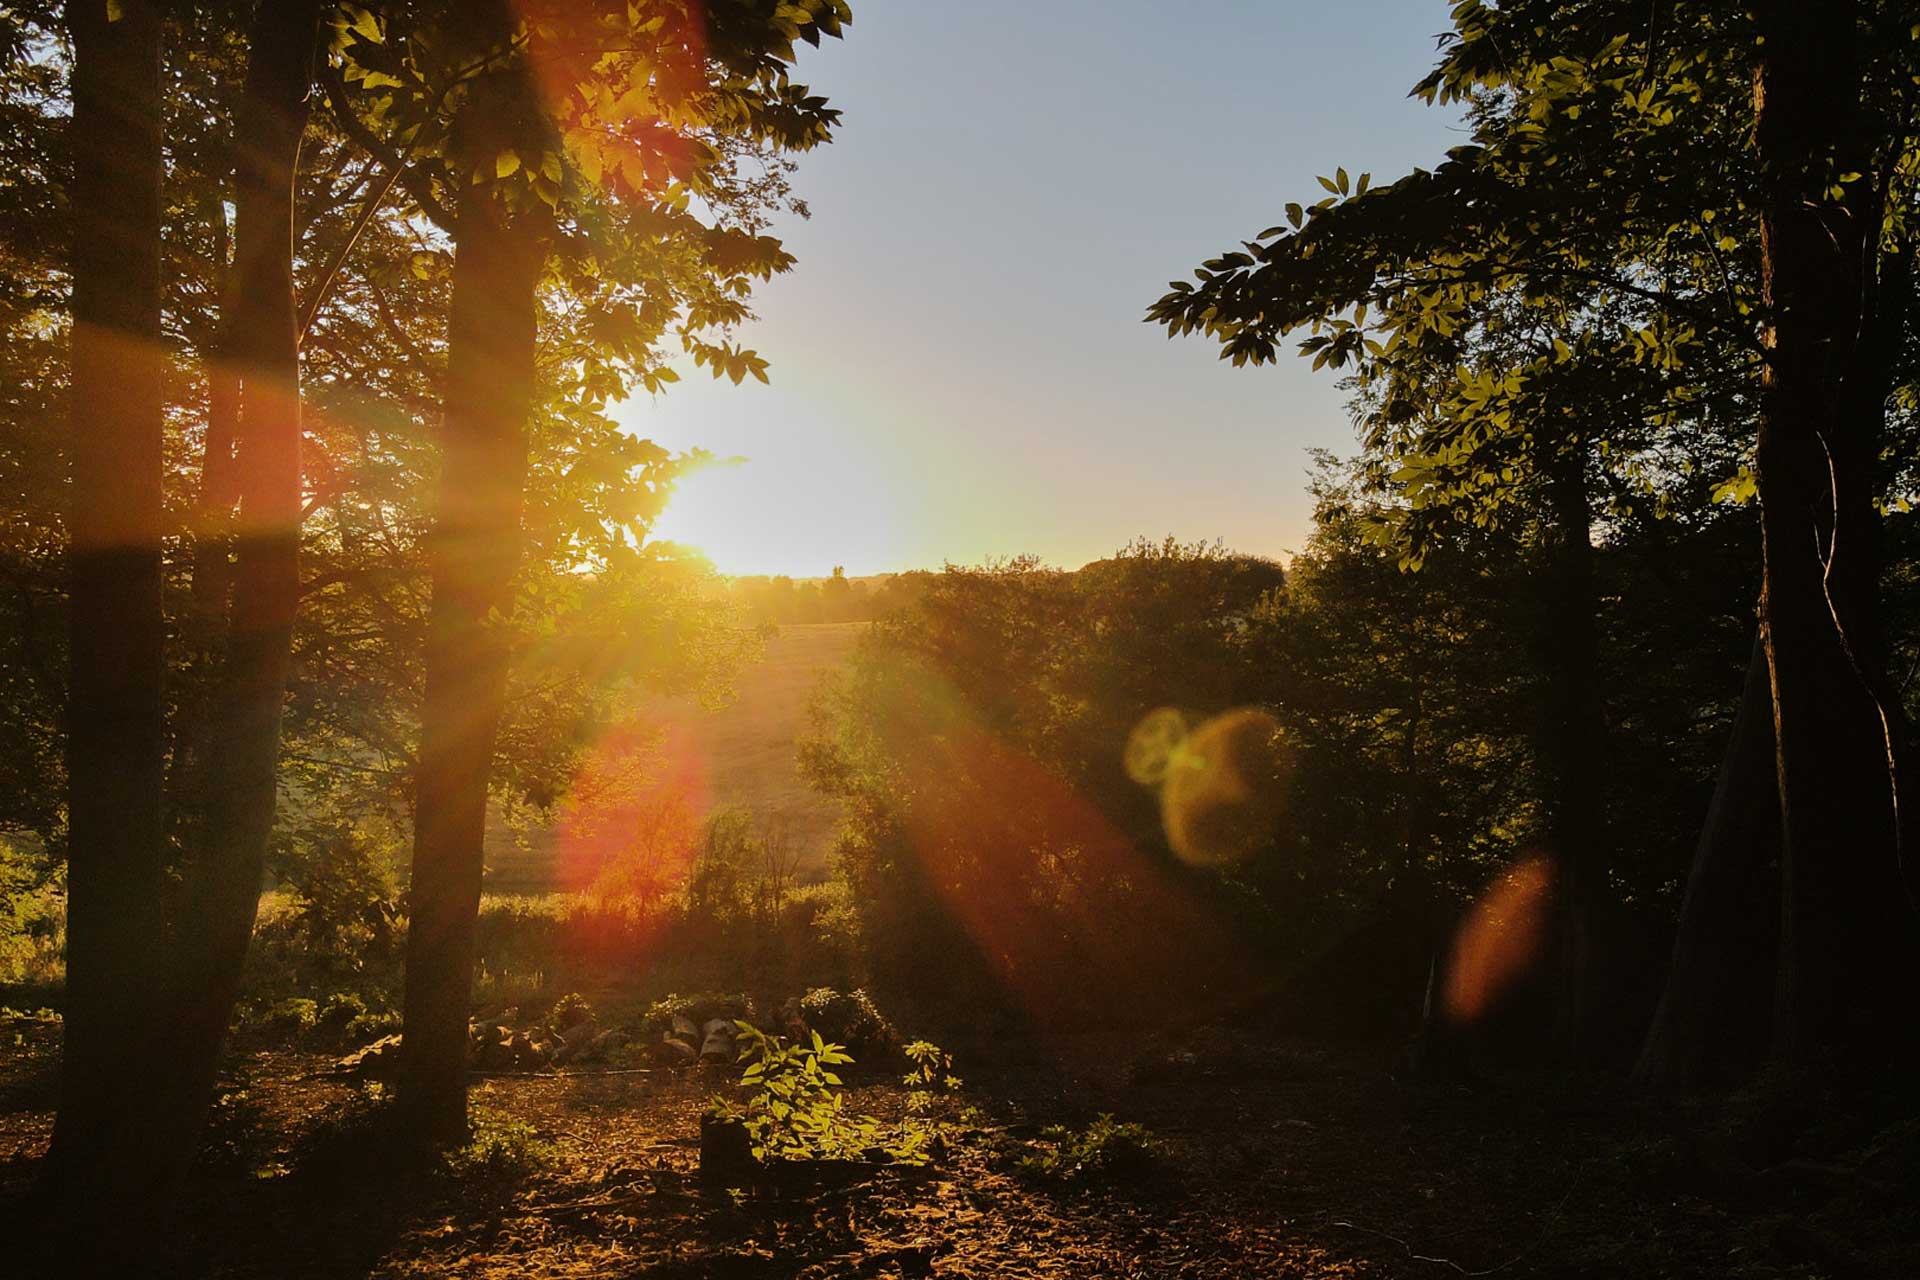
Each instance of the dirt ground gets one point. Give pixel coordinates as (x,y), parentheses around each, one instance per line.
(1275,1160)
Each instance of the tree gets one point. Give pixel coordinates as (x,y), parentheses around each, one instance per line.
(1609,172)
(499,247)
(241,771)
(116,635)
(656,101)
(1850,930)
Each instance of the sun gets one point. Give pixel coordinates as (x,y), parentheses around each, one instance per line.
(750,516)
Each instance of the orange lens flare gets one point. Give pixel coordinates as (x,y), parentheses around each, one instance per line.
(1500,939)
(1222,785)
(632,818)
(1075,922)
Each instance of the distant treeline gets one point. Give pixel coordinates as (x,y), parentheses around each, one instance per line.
(781,600)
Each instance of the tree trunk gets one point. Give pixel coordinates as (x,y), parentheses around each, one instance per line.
(475,547)
(210,590)
(1570,736)
(224,876)
(115,723)
(1847,928)
(1712,1021)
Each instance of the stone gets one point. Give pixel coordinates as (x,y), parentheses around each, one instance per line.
(574,1040)
(675,1053)
(718,1047)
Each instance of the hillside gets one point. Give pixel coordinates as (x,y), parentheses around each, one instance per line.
(743,751)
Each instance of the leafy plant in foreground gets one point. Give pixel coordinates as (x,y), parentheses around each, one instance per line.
(797,1112)
(1106,1150)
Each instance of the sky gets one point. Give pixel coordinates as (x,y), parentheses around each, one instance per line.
(960,370)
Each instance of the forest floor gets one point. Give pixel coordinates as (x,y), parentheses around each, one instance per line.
(1275,1159)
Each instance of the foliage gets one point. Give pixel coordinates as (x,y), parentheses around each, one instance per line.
(795,1109)
(994,837)
(931,1074)
(1105,1150)
(289,1019)
(501,1150)
(32,915)
(848,1018)
(570,1010)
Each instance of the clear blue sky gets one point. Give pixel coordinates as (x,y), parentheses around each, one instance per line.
(960,369)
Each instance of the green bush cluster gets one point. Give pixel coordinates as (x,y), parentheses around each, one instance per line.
(795,1106)
(1106,1150)
(33,916)
(848,1018)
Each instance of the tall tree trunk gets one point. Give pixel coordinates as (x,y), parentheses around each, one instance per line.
(224,876)
(1712,1020)
(210,591)
(115,713)
(212,583)
(1847,927)
(475,548)
(1571,731)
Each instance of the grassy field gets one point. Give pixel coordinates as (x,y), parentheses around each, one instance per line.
(745,752)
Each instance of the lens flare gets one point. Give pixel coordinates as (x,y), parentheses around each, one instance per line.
(1223,786)
(630,818)
(1499,940)
(1152,745)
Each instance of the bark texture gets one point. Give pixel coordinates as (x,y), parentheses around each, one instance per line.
(115,747)
(1846,926)
(243,747)
(475,548)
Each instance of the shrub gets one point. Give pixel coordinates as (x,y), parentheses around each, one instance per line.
(289,1019)
(847,1017)
(1105,1151)
(502,1149)
(698,1009)
(33,917)
(339,1010)
(796,1110)
(350,1141)
(569,1011)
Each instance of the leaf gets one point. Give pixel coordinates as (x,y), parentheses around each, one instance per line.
(506,164)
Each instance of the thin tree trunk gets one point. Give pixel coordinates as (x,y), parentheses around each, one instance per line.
(115,721)
(1571,732)
(1712,1020)
(224,877)
(475,548)
(1847,930)
(212,583)
(210,590)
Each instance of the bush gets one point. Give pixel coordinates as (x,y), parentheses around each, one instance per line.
(340,1009)
(698,1009)
(289,1019)
(569,1011)
(502,1150)
(795,1109)
(33,917)
(847,1017)
(1104,1151)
